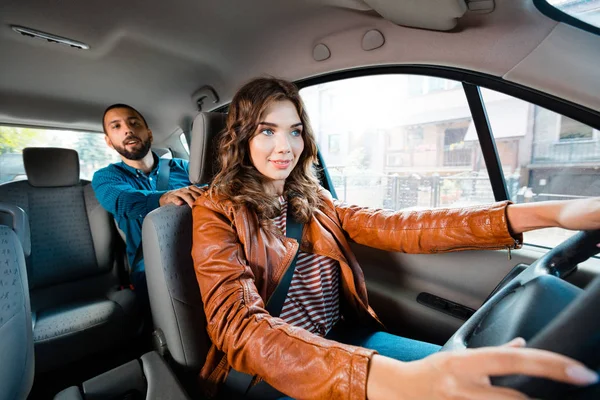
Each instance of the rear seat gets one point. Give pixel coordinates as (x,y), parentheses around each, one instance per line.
(77,307)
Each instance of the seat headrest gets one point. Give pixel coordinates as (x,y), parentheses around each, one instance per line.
(51,167)
(203,155)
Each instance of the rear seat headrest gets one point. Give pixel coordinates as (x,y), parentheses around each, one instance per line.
(203,156)
(51,167)
(19,223)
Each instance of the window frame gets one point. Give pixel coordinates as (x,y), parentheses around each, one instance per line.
(471,82)
(183,139)
(560,16)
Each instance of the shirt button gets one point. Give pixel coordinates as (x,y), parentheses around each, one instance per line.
(150,178)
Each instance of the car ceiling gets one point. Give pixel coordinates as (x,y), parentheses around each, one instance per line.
(154,55)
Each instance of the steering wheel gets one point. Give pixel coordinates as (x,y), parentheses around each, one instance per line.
(548,312)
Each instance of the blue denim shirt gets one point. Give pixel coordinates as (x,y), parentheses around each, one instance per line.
(129,195)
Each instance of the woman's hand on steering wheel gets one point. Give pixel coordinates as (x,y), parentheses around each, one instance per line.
(466,374)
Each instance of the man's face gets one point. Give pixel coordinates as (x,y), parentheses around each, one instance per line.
(127,133)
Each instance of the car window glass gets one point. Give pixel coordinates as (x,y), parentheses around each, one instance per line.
(544,155)
(92,149)
(184,143)
(587,11)
(398,142)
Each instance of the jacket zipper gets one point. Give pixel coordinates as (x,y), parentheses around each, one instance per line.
(509,248)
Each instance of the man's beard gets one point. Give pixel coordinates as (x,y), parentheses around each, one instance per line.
(136,154)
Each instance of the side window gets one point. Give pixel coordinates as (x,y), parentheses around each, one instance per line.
(184,143)
(399,142)
(544,156)
(92,149)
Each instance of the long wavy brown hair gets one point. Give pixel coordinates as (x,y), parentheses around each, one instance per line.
(239,180)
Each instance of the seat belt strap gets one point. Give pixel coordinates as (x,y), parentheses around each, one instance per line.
(293,230)
(164,170)
(240,381)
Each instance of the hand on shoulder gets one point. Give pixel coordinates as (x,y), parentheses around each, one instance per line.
(186,195)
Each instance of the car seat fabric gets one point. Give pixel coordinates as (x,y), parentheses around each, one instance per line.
(77,307)
(16,339)
(175,300)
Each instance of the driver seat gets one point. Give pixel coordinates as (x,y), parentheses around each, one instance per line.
(177,310)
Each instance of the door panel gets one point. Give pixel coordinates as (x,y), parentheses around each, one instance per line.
(394,281)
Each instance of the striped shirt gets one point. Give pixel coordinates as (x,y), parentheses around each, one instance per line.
(312,301)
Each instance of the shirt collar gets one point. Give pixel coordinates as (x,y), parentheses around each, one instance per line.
(139,171)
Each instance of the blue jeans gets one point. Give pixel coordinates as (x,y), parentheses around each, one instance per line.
(384,343)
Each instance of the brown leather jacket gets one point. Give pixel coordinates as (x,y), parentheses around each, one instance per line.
(238,265)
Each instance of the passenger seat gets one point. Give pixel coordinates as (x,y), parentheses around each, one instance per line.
(76,302)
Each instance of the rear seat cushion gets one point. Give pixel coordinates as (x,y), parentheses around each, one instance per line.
(68,331)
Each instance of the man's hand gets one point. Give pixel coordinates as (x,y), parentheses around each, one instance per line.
(181,196)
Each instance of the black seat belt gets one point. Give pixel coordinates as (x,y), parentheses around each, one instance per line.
(239,381)
(293,230)
(162,183)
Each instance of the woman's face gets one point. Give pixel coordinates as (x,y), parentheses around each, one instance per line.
(277,143)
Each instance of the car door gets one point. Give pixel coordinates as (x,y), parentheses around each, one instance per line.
(417,138)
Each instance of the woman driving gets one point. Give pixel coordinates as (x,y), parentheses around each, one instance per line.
(285,299)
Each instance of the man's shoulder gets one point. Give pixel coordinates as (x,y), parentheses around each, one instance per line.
(181,162)
(109,168)
(110,171)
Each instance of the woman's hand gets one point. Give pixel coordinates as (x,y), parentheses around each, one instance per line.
(581,214)
(466,374)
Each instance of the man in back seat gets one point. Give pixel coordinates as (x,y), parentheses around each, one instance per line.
(130,189)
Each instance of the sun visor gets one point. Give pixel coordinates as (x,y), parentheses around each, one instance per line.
(441,15)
